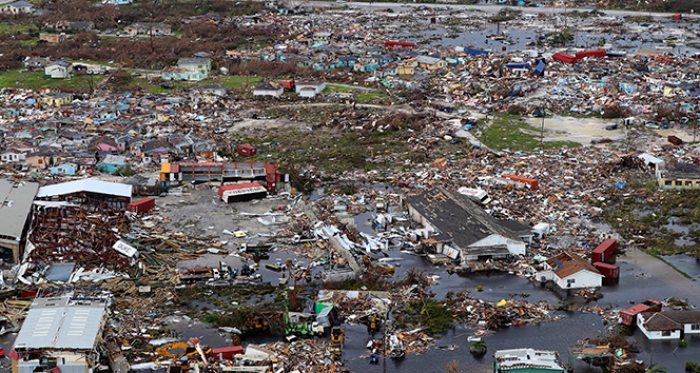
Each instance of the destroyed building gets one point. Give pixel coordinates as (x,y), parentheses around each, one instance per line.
(78,220)
(15,206)
(61,334)
(679,175)
(464,230)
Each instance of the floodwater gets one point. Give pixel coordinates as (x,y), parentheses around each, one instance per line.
(685,263)
(661,35)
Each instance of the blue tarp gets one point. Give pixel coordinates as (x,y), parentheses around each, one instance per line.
(475,51)
(540,68)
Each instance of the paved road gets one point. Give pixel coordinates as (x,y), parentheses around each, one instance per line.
(679,285)
(487,8)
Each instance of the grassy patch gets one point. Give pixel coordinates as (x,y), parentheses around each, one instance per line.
(371,97)
(229,81)
(430,314)
(332,150)
(512,132)
(11,28)
(330,88)
(645,217)
(37,81)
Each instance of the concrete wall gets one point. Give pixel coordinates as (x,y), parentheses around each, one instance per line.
(582,279)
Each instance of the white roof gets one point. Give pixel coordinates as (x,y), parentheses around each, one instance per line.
(86,185)
(62,323)
(650,159)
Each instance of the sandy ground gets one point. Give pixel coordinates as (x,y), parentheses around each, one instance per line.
(581,130)
(585,130)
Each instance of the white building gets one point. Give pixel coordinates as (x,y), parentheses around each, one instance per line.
(12,157)
(58,70)
(305,85)
(569,271)
(17,7)
(669,324)
(268,89)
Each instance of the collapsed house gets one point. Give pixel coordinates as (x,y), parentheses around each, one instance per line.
(61,333)
(460,229)
(79,221)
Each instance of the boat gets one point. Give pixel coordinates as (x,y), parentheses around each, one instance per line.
(478,349)
(274,267)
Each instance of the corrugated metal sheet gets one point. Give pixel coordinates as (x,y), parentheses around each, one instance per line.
(15,204)
(86,185)
(61,323)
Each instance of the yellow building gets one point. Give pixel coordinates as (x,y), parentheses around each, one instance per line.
(406,69)
(58,99)
(431,63)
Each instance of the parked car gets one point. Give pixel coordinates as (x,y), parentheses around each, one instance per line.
(653,125)
(167,86)
(612,127)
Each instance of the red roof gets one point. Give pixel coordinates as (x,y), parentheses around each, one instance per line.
(563,57)
(394,43)
(637,308)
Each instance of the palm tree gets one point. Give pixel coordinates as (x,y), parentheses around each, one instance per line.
(478,348)
(656,369)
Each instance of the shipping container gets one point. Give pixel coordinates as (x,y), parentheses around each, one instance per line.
(141,206)
(532,183)
(289,85)
(605,252)
(227,353)
(247,150)
(591,53)
(675,140)
(563,57)
(611,271)
(242,192)
(628,316)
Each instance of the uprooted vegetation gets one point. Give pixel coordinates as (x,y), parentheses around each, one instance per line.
(657,220)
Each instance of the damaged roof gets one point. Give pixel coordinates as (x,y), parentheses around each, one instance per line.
(15,203)
(85,185)
(565,265)
(457,216)
(62,323)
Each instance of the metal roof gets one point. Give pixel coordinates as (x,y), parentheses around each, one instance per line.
(86,185)
(521,359)
(61,323)
(15,204)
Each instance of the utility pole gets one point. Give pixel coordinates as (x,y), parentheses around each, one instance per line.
(566,18)
(542,130)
